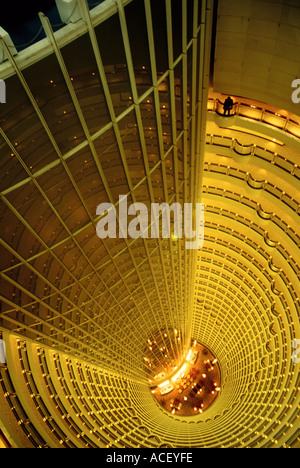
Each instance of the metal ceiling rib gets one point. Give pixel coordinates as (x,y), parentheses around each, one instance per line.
(173,277)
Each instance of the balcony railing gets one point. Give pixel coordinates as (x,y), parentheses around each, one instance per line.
(259,114)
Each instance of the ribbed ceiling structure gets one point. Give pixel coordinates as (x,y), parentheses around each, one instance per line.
(124,102)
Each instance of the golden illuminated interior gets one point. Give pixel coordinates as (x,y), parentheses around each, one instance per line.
(128,100)
(194,386)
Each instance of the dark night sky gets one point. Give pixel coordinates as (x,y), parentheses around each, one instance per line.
(17,13)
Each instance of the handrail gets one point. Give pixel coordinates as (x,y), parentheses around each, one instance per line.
(254,150)
(257,113)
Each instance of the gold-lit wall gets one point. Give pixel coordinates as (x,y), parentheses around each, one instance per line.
(91,115)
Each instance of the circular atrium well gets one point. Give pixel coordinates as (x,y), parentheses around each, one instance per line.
(193,387)
(128,100)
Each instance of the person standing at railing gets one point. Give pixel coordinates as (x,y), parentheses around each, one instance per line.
(228,105)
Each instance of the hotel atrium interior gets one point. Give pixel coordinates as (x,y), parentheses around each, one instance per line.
(140,342)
